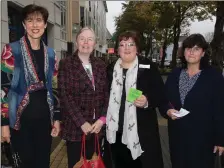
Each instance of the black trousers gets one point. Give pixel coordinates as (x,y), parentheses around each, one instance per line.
(33,142)
(122,155)
(74,150)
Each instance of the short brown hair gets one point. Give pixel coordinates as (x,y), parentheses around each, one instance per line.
(32,9)
(130,34)
(190,42)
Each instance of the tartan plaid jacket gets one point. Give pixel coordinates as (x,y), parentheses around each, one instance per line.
(78,100)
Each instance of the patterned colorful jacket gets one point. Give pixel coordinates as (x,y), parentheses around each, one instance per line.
(14,93)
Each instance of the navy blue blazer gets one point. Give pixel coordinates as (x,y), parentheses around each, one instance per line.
(193,137)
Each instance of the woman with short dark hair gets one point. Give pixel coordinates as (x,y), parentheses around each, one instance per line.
(197,90)
(132,127)
(31,119)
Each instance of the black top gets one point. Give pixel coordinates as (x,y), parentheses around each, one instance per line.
(39,59)
(38,106)
(122,107)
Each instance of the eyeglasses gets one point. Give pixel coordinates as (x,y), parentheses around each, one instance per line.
(123,45)
(193,49)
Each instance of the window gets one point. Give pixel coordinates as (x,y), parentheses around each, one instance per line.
(90,6)
(82,17)
(63,54)
(94,11)
(90,24)
(63,7)
(16,30)
(86,15)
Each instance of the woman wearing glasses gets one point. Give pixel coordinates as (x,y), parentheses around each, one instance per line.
(198,89)
(132,128)
(83,94)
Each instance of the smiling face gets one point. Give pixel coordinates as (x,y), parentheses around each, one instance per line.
(193,55)
(127,50)
(34,25)
(86,41)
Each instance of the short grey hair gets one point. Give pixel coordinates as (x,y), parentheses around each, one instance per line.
(83,29)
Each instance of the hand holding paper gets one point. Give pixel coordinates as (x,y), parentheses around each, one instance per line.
(133,94)
(141,102)
(181,113)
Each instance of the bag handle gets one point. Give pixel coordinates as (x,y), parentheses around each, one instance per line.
(83,148)
(97,143)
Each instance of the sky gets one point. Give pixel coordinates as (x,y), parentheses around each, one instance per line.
(115,9)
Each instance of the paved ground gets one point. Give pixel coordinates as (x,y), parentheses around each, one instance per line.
(59,156)
(55,142)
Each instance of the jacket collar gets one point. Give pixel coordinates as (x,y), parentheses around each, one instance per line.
(80,71)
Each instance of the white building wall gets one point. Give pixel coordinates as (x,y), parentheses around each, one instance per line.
(4,24)
(54,21)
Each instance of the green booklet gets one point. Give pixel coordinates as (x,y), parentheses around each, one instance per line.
(133,94)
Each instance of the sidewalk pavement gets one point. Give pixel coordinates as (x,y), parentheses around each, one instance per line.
(59,155)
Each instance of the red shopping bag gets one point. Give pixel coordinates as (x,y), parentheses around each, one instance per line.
(82,163)
(96,160)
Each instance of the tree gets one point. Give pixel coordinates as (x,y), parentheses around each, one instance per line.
(162,21)
(166,15)
(131,19)
(217,43)
(187,11)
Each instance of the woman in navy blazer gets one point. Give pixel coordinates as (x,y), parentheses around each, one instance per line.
(199,89)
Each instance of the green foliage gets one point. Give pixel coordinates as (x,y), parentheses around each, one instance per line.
(163,21)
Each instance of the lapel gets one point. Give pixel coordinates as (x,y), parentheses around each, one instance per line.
(46,61)
(28,62)
(141,70)
(178,104)
(96,72)
(81,72)
(191,92)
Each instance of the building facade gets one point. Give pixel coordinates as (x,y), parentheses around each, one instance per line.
(55,35)
(92,14)
(65,20)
